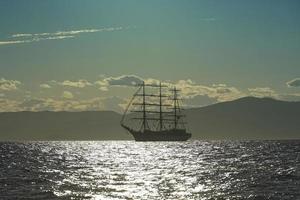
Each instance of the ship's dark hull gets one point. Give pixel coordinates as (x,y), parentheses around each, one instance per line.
(167,135)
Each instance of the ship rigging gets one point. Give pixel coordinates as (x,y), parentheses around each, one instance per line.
(155,116)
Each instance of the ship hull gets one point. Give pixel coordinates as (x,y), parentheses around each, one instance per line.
(168,135)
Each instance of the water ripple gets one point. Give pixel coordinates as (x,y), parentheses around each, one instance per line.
(150,170)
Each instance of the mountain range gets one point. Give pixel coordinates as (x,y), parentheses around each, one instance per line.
(245,118)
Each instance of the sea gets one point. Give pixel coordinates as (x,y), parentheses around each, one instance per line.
(150,170)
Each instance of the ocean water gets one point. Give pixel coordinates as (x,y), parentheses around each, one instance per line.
(150,170)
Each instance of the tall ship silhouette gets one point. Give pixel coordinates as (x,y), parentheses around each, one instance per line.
(155,115)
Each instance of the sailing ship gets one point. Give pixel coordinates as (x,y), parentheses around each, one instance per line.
(155,116)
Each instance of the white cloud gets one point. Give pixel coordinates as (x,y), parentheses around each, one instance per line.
(103,88)
(33,104)
(79,84)
(193,94)
(199,101)
(114,103)
(21,35)
(45,86)
(7,105)
(42,104)
(124,80)
(67,95)
(220,92)
(35,40)
(36,37)
(51,38)
(188,88)
(8,85)
(12,42)
(294,83)
(66,33)
(263,92)
(290,97)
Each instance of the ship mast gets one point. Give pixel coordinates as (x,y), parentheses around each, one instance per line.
(155,118)
(175,108)
(144,107)
(160,108)
(150,114)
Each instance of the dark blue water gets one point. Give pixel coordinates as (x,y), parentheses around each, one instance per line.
(152,170)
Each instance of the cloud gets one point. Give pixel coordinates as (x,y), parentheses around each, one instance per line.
(34,104)
(78,84)
(36,37)
(8,85)
(263,92)
(114,103)
(220,92)
(199,101)
(49,104)
(45,86)
(294,83)
(50,38)
(7,105)
(189,88)
(124,80)
(12,42)
(22,35)
(81,83)
(65,33)
(193,94)
(67,95)
(103,88)
(289,97)
(35,40)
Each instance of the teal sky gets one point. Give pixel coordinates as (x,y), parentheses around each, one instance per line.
(247,46)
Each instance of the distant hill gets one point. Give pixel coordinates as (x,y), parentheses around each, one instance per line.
(245,118)
(88,125)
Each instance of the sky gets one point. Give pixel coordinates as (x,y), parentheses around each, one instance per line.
(86,55)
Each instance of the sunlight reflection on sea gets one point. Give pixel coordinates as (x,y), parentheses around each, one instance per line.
(151,170)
